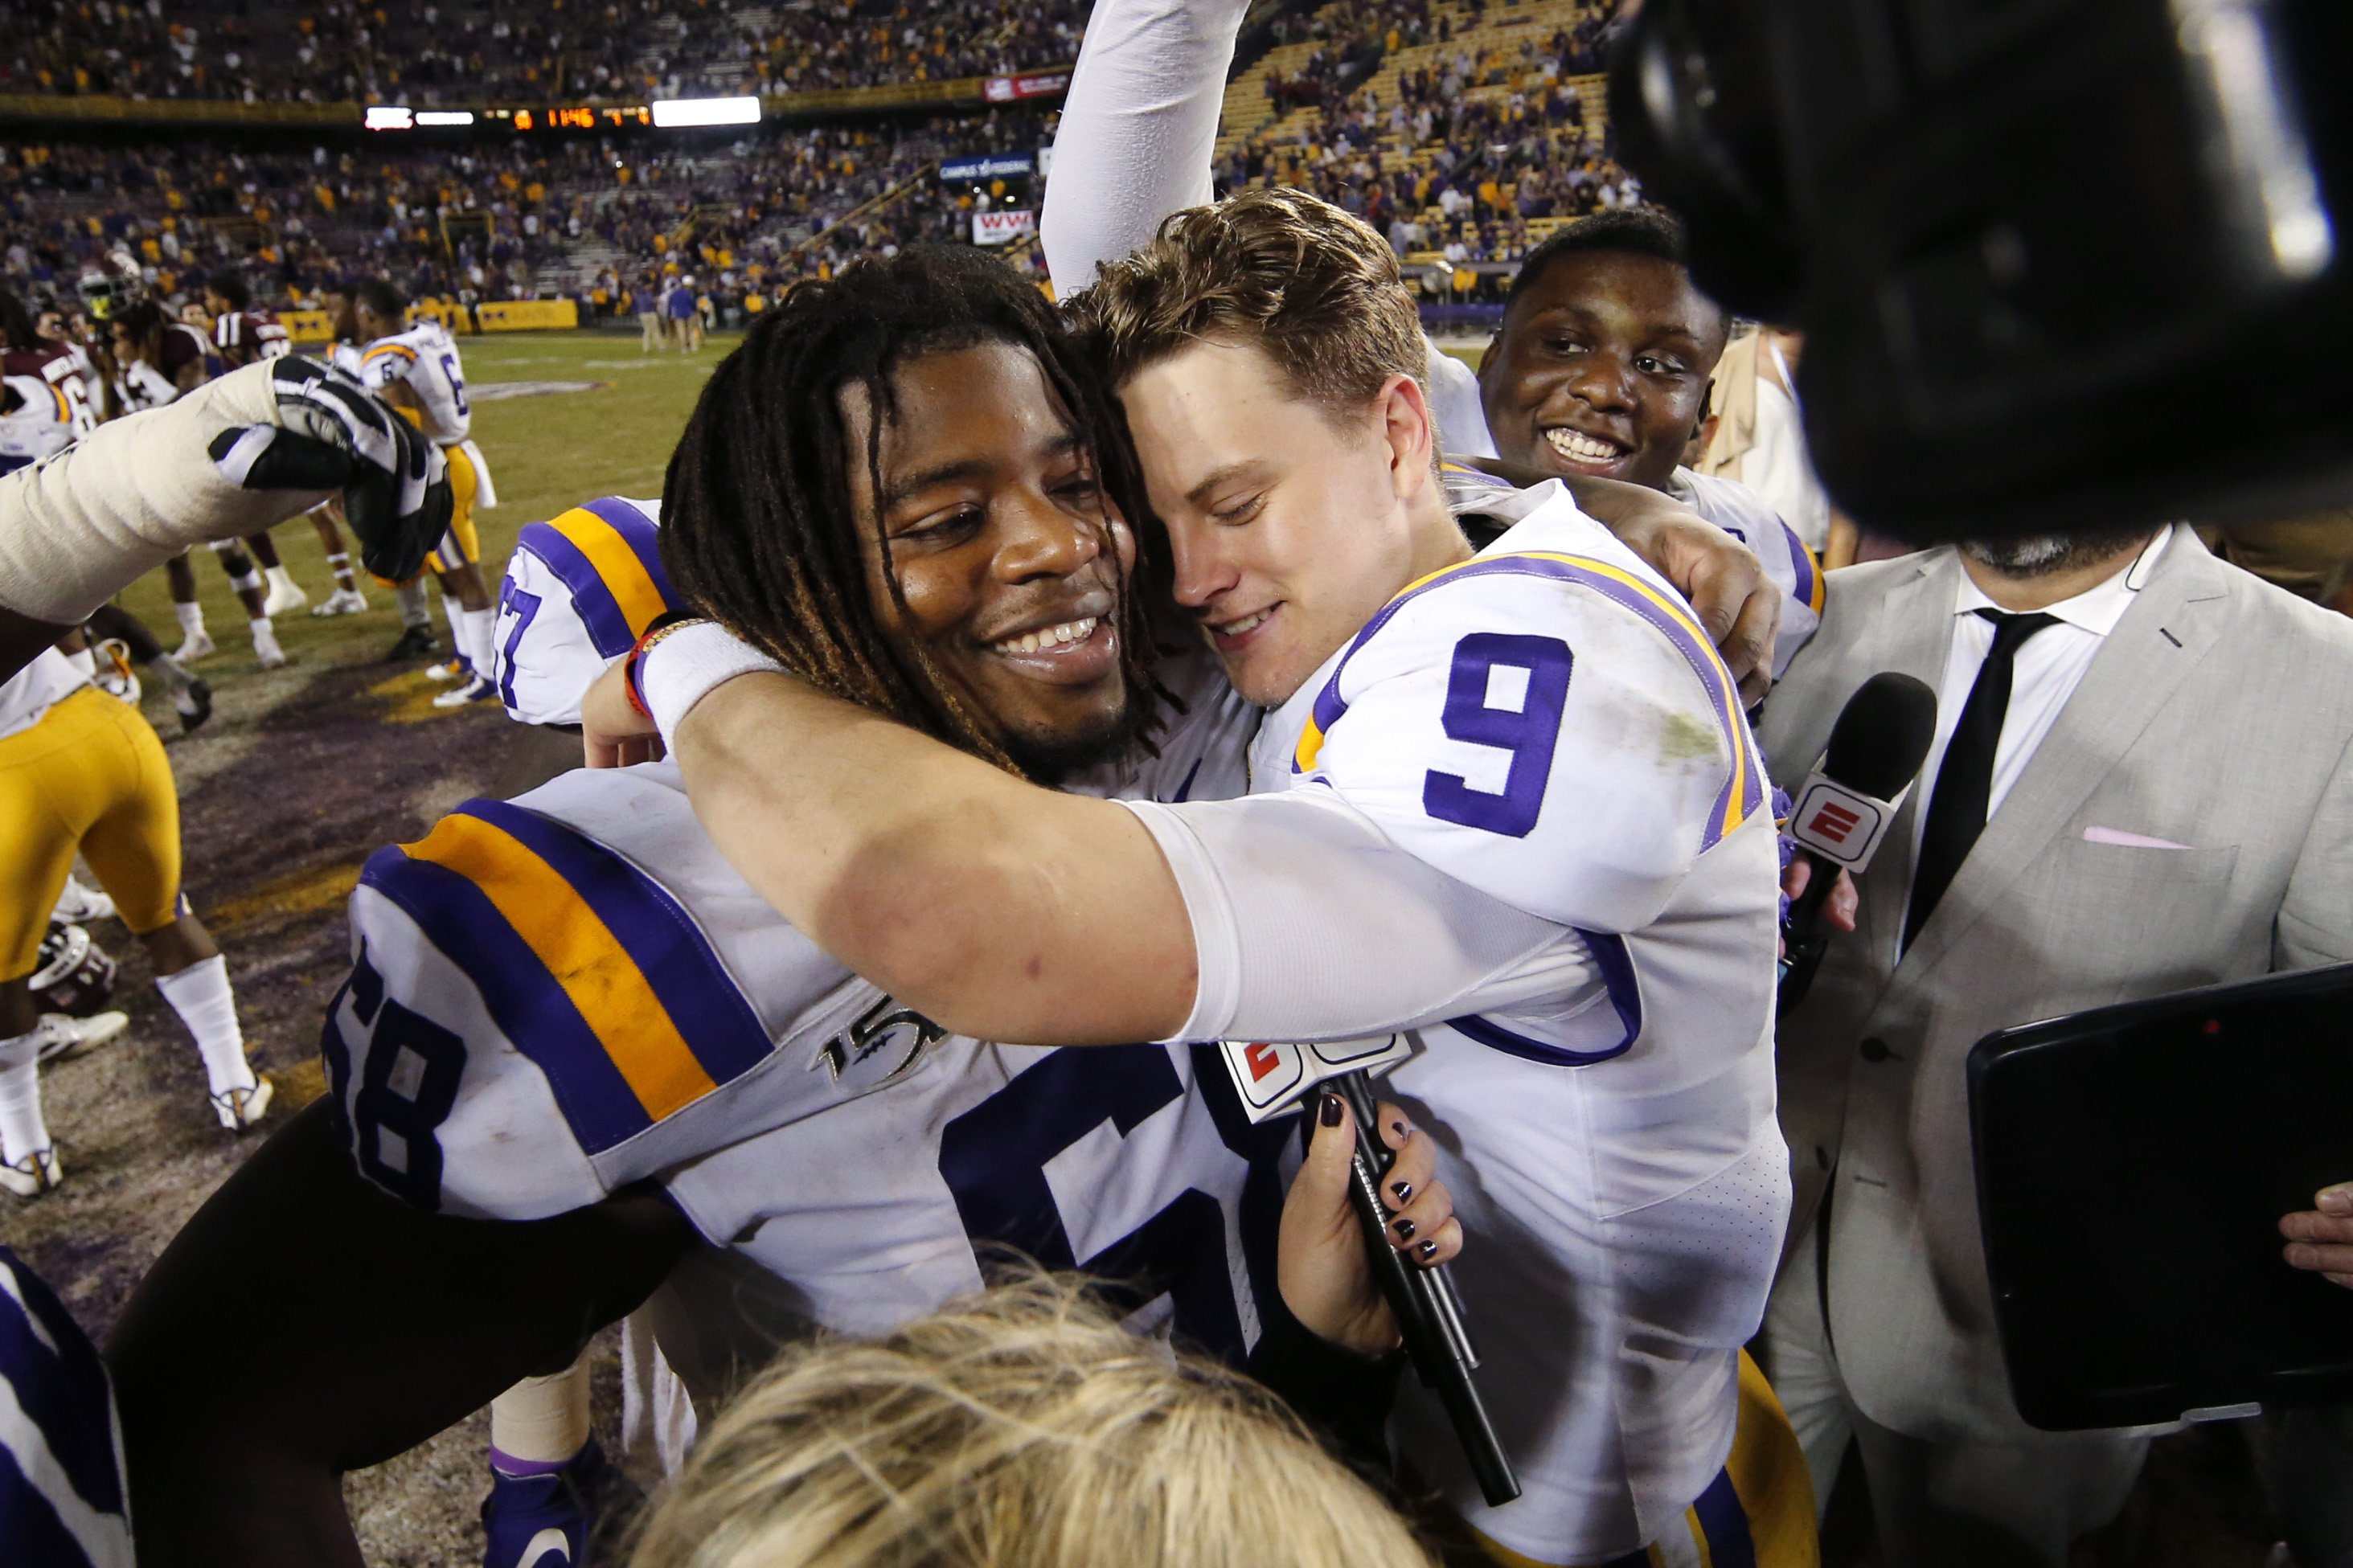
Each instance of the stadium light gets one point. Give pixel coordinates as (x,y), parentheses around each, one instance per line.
(387,118)
(444,117)
(672,114)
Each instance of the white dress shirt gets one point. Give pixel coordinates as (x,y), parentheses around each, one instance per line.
(2048,668)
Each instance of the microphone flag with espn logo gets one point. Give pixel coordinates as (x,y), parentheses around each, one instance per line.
(1271,1076)
(1842,825)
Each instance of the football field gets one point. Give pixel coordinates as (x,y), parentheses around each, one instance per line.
(300,774)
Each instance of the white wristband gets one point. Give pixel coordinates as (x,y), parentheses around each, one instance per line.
(687,666)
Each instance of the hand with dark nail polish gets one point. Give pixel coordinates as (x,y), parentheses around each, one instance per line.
(1403,1190)
(1405,1229)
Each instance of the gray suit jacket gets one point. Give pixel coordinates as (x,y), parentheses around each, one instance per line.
(2217,715)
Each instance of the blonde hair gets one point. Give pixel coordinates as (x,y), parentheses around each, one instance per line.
(1020,1428)
(1318,290)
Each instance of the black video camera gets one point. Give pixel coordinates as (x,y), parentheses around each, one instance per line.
(2060,263)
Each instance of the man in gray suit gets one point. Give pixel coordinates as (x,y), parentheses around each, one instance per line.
(2141,783)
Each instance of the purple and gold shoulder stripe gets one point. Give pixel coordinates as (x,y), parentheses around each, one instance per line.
(607,553)
(591,969)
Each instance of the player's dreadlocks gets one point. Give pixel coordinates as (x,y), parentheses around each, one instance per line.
(759,529)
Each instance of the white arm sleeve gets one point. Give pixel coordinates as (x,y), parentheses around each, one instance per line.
(1138,129)
(1308,924)
(131,495)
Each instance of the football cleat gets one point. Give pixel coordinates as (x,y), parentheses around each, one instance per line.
(240,1109)
(266,649)
(79,902)
(198,645)
(342,602)
(62,1036)
(286,596)
(415,642)
(195,704)
(544,1520)
(36,1172)
(476,689)
(458,669)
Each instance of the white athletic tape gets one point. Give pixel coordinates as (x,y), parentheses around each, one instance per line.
(131,495)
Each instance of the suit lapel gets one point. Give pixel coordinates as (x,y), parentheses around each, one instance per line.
(2143,662)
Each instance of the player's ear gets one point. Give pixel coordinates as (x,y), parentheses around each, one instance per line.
(1411,432)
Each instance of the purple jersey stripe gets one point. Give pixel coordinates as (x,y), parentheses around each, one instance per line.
(522,997)
(60,1387)
(669,950)
(644,539)
(1617,967)
(608,628)
(1809,579)
(1726,1524)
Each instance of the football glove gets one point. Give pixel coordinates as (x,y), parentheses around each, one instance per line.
(337,435)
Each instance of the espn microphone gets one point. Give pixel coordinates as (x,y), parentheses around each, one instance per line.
(1876,748)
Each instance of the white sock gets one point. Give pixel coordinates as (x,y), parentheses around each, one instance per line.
(261,628)
(475,629)
(200,995)
(86,661)
(22,1130)
(413,611)
(541,1421)
(192,618)
(248,584)
(280,578)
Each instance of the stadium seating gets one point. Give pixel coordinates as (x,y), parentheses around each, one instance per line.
(349,51)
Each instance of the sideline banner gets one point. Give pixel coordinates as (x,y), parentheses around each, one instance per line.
(1011,88)
(526,315)
(1003,227)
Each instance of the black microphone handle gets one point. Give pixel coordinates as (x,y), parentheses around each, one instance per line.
(1425,1304)
(1806,909)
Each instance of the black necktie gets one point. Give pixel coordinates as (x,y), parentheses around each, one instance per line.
(1956,811)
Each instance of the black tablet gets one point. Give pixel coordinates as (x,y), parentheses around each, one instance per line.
(2132,1166)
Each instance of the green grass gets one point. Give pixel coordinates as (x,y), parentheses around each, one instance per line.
(548,453)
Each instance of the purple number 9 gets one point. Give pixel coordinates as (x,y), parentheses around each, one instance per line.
(1529,730)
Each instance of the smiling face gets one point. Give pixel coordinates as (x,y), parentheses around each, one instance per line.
(1012,564)
(1290,525)
(1602,367)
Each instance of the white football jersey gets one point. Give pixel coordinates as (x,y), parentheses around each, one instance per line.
(580,589)
(1522,815)
(425,357)
(40,423)
(559,995)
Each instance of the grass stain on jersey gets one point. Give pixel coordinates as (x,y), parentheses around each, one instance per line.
(1684,739)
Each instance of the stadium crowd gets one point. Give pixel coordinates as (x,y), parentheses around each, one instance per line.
(350,52)
(1469,774)
(484,221)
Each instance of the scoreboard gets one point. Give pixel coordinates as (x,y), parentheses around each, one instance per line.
(661,114)
(572,117)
